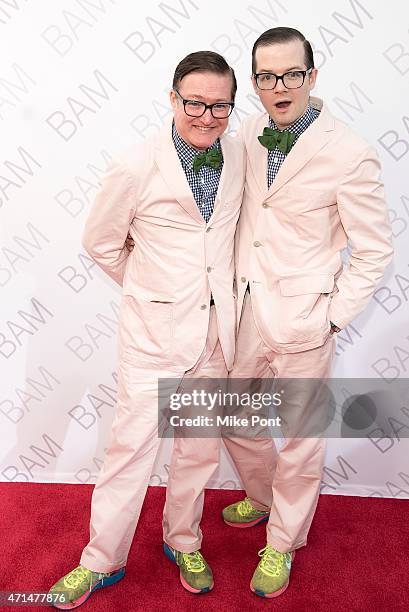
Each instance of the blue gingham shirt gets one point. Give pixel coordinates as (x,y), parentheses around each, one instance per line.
(275,156)
(205,183)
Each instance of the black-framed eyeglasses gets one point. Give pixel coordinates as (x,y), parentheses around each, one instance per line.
(194,108)
(291,80)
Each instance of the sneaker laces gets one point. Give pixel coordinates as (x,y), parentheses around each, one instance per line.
(272,560)
(77,577)
(81,574)
(194,562)
(244,507)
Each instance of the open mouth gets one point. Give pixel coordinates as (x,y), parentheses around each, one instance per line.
(283,105)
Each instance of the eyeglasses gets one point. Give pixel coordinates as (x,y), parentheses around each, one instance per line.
(194,108)
(291,80)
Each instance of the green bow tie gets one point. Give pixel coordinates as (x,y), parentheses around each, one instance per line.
(274,138)
(212,158)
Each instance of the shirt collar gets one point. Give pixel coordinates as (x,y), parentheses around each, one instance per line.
(301,124)
(186,152)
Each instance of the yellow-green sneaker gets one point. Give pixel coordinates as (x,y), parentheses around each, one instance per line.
(243,514)
(74,588)
(272,574)
(195,574)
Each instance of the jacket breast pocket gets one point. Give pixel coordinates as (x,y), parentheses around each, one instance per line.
(305,199)
(315,224)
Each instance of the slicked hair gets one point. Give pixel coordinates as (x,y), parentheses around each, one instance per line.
(282,35)
(204,61)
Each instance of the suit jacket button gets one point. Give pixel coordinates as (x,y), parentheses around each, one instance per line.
(265,205)
(256,243)
(209,268)
(203,307)
(243,279)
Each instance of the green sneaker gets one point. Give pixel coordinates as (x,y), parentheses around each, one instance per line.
(243,514)
(195,574)
(272,574)
(74,588)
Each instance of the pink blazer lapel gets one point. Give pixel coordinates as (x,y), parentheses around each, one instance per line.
(307,146)
(257,155)
(172,173)
(229,173)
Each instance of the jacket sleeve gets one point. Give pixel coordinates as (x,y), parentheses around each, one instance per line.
(363,214)
(109,220)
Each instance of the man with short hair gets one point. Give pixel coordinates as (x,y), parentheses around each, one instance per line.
(178,195)
(312,185)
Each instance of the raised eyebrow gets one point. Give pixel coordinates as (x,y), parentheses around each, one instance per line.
(268,71)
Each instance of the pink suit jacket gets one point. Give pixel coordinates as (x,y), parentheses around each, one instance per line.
(178,260)
(290,237)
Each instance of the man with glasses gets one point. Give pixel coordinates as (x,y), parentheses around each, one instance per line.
(178,196)
(312,186)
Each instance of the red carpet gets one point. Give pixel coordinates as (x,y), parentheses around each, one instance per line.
(356,559)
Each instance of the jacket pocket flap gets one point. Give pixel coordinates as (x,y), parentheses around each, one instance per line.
(301,285)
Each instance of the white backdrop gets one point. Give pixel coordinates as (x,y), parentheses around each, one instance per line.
(79,81)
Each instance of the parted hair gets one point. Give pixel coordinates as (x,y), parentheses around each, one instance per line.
(204,61)
(282,35)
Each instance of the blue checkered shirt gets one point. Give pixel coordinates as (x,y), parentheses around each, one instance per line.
(275,156)
(205,183)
